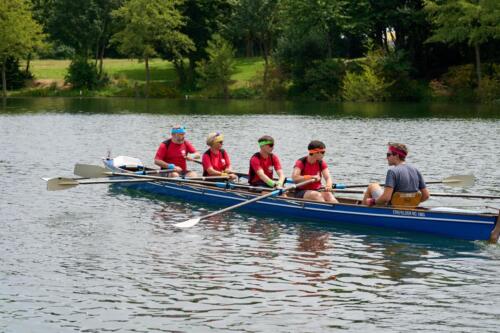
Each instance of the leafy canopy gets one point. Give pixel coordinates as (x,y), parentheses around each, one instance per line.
(471,21)
(148,24)
(19,33)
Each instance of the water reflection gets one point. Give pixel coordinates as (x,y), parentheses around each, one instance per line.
(247,107)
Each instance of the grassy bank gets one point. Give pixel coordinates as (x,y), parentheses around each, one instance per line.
(126,77)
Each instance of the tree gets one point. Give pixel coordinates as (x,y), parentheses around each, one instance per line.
(217,70)
(257,21)
(472,21)
(203,19)
(148,24)
(19,33)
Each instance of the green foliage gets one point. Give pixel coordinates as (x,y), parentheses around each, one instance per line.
(489,90)
(364,87)
(16,77)
(83,75)
(147,23)
(324,79)
(471,21)
(461,82)
(215,73)
(75,24)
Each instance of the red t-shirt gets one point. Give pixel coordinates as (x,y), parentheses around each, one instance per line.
(218,161)
(176,153)
(257,162)
(313,170)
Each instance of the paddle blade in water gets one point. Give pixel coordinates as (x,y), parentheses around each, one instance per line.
(90,171)
(460,181)
(60,183)
(188,223)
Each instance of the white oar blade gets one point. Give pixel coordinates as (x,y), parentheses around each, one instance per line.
(90,171)
(188,223)
(60,183)
(460,181)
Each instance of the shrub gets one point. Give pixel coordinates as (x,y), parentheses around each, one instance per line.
(324,79)
(364,87)
(489,90)
(215,73)
(461,80)
(16,78)
(82,75)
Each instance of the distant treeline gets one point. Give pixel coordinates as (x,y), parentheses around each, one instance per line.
(354,50)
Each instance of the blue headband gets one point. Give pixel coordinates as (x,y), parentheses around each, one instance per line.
(178,130)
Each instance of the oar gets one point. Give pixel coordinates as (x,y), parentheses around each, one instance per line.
(62,183)
(96,171)
(192,222)
(451,195)
(453,181)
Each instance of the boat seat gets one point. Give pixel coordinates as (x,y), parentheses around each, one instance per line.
(404,199)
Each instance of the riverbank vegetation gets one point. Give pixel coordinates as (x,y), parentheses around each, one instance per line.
(335,50)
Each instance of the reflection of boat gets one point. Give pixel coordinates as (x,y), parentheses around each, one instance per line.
(454,223)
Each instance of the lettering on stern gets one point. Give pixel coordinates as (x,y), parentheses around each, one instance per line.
(408,213)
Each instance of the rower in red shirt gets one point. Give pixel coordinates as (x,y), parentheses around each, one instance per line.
(173,153)
(263,163)
(313,166)
(216,160)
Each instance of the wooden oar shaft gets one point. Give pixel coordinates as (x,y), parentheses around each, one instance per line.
(451,195)
(192,222)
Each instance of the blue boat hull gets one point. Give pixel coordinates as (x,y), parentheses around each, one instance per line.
(456,225)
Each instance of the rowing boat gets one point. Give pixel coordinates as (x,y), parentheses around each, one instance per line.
(454,223)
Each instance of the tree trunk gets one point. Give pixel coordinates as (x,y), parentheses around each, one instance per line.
(101,59)
(191,73)
(249,46)
(265,54)
(146,62)
(478,63)
(28,60)
(4,81)
(181,73)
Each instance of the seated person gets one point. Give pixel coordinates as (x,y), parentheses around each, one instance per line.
(173,153)
(313,166)
(402,178)
(216,160)
(263,163)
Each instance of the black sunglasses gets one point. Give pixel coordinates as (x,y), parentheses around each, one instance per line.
(390,154)
(271,145)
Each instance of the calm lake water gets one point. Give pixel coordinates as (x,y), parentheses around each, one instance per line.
(94,259)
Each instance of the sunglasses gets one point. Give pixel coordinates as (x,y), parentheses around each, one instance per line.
(221,142)
(271,145)
(390,154)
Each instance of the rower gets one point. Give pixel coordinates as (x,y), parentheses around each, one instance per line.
(404,184)
(216,160)
(263,163)
(173,153)
(313,166)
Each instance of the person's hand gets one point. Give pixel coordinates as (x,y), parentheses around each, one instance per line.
(188,158)
(177,169)
(328,188)
(196,156)
(232,176)
(370,202)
